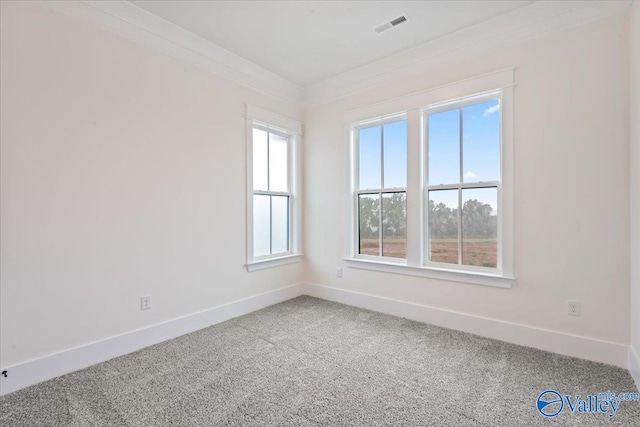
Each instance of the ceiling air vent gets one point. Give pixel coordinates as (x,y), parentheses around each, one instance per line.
(388,25)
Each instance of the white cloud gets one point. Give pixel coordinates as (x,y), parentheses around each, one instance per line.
(470,175)
(489,111)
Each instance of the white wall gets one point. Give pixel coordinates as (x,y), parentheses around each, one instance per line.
(635,183)
(122,176)
(119,179)
(571,186)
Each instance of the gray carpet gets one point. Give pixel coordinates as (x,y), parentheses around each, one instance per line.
(309,362)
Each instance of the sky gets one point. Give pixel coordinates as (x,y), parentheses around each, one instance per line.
(394,136)
(480,144)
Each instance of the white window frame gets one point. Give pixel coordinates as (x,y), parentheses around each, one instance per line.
(447,106)
(415,107)
(384,190)
(292,130)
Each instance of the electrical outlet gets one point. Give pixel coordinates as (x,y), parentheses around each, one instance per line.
(573,308)
(339,272)
(145,302)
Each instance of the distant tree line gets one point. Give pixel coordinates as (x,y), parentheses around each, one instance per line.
(477,221)
(394,215)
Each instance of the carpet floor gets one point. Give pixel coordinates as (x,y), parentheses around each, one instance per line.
(309,362)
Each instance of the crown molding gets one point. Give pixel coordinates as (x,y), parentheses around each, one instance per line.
(136,24)
(534,20)
(520,25)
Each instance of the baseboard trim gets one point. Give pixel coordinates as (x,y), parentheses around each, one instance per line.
(556,342)
(634,366)
(51,366)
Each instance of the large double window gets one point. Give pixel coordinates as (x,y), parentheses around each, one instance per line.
(432,186)
(273,202)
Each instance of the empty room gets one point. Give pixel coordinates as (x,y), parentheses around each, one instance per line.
(320,213)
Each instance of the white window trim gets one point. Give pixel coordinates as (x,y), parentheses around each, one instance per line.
(274,262)
(414,106)
(276,123)
(446,106)
(464,276)
(356,184)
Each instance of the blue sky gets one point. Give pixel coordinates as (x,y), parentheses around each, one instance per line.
(481,152)
(480,142)
(395,155)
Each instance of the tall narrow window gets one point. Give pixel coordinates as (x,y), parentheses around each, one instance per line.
(273,214)
(463,182)
(381,188)
(271,195)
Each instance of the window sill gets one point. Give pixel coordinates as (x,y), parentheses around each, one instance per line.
(476,278)
(273,262)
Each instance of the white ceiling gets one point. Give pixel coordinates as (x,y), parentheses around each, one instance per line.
(307,42)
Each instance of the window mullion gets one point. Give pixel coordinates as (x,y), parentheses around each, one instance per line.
(289,246)
(268,161)
(470,185)
(354,241)
(461,149)
(421,152)
(460,226)
(272,193)
(376,190)
(357,225)
(291,163)
(380,213)
(443,187)
(460,137)
(271,224)
(382,157)
(380,223)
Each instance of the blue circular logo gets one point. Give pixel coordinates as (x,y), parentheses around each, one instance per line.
(550,403)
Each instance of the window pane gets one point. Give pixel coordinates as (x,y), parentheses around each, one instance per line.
(261,225)
(480,227)
(395,154)
(394,225)
(444,147)
(278,166)
(443,226)
(481,142)
(279,224)
(369,159)
(260,160)
(369,219)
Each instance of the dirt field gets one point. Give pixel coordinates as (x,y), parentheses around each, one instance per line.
(480,252)
(393,247)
